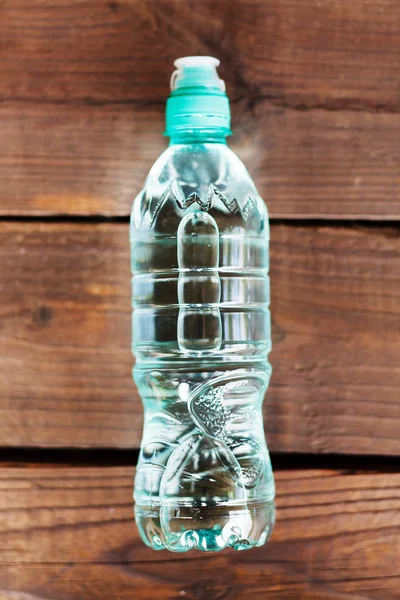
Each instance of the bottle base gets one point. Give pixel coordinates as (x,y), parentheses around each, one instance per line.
(205,527)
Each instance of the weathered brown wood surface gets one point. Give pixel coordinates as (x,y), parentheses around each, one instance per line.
(68,534)
(81,160)
(314,88)
(65,338)
(337,54)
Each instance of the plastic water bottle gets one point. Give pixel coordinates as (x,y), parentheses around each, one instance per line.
(201,331)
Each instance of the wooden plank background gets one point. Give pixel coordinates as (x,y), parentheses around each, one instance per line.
(314,86)
(83,159)
(68,533)
(66,329)
(315,91)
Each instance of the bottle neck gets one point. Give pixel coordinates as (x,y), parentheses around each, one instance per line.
(198,137)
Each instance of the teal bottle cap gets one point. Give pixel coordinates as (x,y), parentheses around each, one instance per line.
(198,101)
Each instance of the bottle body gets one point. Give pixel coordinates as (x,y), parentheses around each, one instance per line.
(201,336)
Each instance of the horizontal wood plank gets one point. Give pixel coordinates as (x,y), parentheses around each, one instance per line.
(82,160)
(65,338)
(304,53)
(68,533)
(83,88)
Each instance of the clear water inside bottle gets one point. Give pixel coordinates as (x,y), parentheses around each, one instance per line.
(201,336)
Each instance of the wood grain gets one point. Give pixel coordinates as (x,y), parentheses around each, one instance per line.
(68,534)
(65,336)
(314,89)
(85,160)
(314,86)
(335,54)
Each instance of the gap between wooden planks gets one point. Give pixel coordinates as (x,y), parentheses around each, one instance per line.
(68,533)
(65,335)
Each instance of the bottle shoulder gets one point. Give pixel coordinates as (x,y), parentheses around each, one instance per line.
(199,164)
(206,176)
